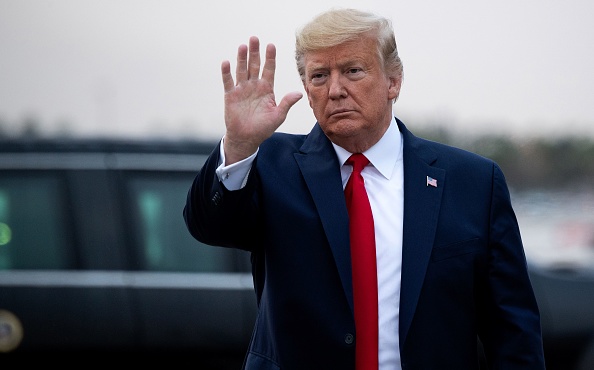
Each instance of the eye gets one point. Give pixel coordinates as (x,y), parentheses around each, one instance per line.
(354,72)
(318,78)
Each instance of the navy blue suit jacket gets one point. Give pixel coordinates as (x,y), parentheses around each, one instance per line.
(463,266)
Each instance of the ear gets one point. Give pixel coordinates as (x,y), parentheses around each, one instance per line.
(394,88)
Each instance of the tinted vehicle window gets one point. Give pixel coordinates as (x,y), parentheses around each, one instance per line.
(164,240)
(95,255)
(34,231)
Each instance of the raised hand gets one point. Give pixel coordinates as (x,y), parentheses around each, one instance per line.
(251,112)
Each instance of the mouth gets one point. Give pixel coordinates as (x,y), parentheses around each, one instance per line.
(340,112)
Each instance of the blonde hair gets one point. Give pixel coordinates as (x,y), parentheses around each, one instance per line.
(338,26)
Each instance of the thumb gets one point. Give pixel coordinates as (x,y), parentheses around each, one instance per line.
(287,102)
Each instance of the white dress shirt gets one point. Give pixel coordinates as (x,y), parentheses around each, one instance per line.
(384,181)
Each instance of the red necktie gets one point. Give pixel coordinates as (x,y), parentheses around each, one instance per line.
(363,265)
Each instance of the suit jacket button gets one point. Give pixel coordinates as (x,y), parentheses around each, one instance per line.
(349,338)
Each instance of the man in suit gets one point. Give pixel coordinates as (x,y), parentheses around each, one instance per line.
(450,266)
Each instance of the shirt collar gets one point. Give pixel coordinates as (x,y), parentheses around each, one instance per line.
(384,154)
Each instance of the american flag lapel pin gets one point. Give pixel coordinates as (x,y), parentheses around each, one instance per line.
(431,181)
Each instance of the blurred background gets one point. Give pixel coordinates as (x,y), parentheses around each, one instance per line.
(511,80)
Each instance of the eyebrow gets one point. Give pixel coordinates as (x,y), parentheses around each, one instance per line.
(320,66)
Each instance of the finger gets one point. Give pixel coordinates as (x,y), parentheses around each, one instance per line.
(241,72)
(269,64)
(226,73)
(254,58)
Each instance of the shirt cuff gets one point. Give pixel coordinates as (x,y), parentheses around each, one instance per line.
(234,176)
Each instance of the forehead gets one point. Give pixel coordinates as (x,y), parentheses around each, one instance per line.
(362,50)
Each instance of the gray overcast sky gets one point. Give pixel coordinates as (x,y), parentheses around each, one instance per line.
(146,68)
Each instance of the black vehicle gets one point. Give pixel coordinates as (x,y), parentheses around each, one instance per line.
(95,258)
(566,302)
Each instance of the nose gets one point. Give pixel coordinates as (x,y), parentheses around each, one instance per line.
(336,88)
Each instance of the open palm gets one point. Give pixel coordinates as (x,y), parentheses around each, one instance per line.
(251,112)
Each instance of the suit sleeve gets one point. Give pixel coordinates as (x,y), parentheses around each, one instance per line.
(217,216)
(512,333)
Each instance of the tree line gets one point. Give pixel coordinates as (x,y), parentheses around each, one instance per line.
(551,163)
(559,163)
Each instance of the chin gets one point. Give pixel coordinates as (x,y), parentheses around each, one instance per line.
(342,131)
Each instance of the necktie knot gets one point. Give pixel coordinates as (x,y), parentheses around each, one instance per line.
(358,161)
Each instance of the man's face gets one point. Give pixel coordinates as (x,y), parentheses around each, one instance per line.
(350,94)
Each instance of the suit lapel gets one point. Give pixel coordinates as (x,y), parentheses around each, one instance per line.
(321,171)
(421,211)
